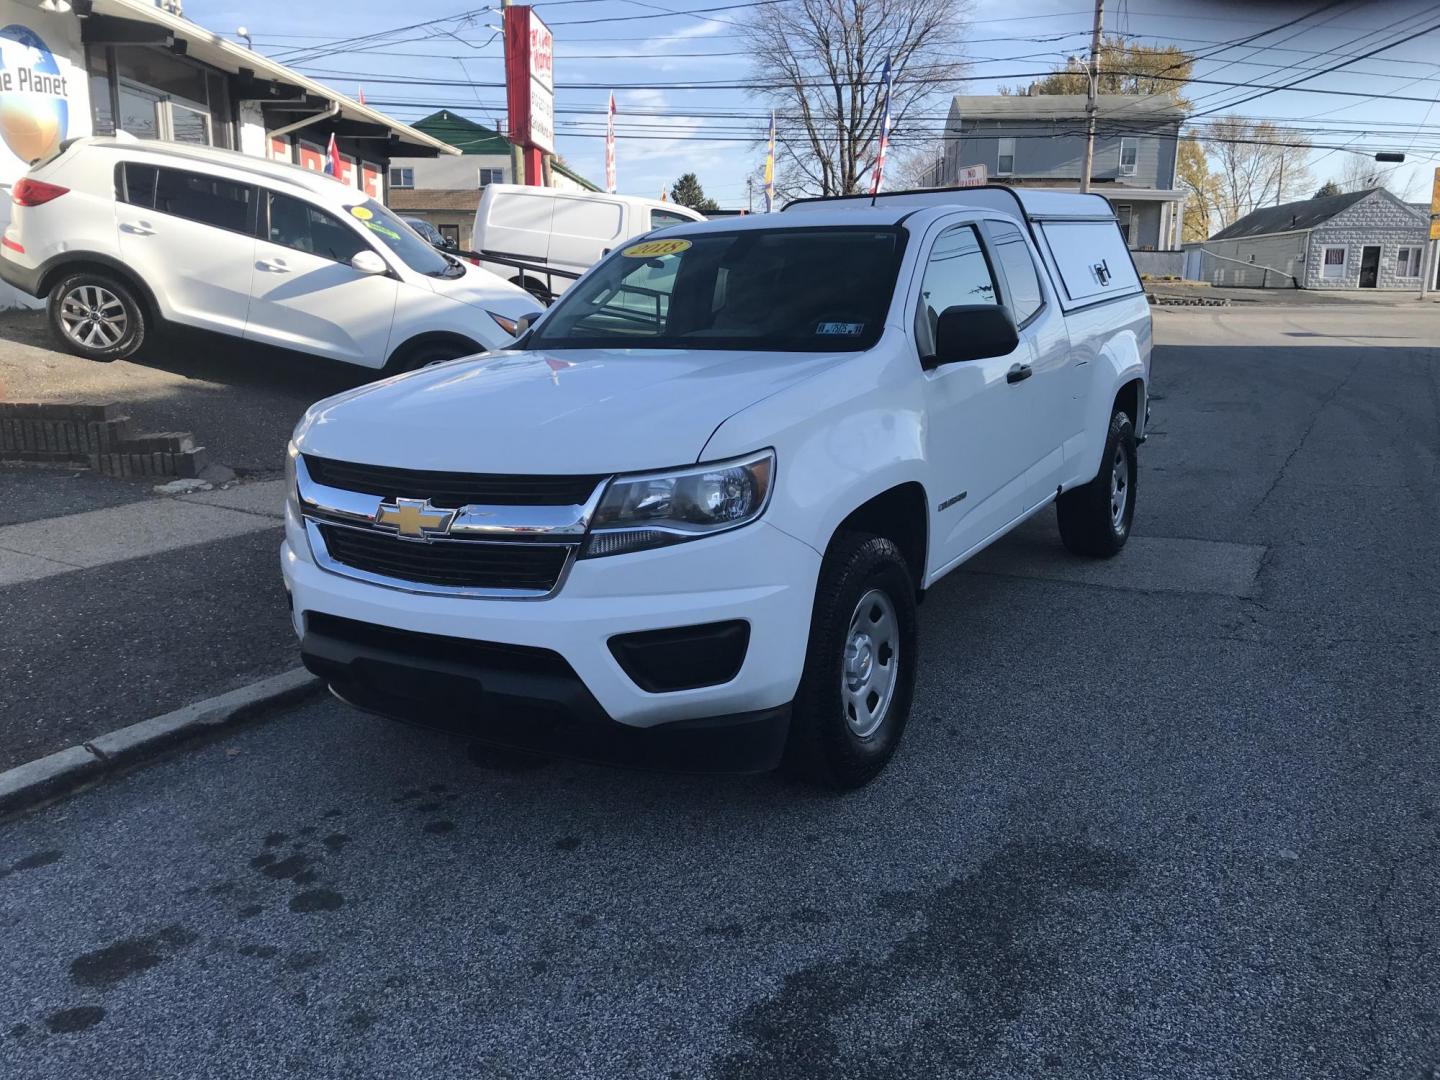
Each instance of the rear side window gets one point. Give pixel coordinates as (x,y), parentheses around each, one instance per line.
(208,200)
(659,219)
(136,184)
(1021,279)
(956,273)
(1093,261)
(296,224)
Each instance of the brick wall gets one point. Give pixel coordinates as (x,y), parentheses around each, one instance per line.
(99,436)
(1378,220)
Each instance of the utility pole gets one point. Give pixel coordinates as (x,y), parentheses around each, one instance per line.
(517,156)
(1280,186)
(750,193)
(1092,90)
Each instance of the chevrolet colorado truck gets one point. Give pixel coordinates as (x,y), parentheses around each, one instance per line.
(687,517)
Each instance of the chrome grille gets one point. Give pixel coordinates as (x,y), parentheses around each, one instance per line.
(517,546)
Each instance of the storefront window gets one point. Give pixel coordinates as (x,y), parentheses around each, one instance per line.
(102,115)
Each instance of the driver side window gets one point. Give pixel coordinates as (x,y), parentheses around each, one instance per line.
(957,272)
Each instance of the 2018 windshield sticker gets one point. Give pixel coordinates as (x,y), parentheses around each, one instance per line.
(652,248)
(375,225)
(361,212)
(846,329)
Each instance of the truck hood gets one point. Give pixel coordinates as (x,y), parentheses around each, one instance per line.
(572,411)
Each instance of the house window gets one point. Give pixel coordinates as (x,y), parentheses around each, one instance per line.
(1407,262)
(451,234)
(491,176)
(1333,265)
(402,178)
(1129,155)
(1125,214)
(1005,165)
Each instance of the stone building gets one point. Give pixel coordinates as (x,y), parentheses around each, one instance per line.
(1358,240)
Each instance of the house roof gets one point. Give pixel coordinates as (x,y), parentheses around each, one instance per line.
(1291,216)
(1064,106)
(212,49)
(460,200)
(466,135)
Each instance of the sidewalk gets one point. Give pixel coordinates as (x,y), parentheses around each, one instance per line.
(117,614)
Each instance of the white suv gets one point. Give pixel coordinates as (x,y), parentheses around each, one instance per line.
(118,233)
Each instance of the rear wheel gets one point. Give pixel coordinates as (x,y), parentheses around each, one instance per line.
(1095,519)
(96,316)
(854,696)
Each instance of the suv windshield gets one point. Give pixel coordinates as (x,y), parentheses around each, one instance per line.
(404,241)
(815,289)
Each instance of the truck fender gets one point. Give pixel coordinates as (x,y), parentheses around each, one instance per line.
(1115,365)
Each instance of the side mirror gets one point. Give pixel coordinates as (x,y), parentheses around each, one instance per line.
(525,322)
(368,262)
(973,332)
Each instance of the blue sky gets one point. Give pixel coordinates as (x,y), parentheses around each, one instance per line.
(664,132)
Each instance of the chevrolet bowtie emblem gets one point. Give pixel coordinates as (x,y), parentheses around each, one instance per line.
(415,519)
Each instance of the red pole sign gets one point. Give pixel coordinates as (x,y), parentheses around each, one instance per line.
(530,86)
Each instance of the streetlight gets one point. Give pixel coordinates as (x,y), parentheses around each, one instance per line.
(241,31)
(58,7)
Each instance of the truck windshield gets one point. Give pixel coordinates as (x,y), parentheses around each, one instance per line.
(818,289)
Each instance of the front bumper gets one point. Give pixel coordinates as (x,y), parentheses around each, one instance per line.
(449,665)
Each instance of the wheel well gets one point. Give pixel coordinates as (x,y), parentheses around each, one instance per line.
(100,266)
(899,515)
(434,338)
(1128,399)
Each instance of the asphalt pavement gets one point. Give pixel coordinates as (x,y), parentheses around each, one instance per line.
(1144,823)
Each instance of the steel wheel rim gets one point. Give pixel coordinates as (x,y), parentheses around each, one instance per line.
(870,668)
(1119,488)
(93,317)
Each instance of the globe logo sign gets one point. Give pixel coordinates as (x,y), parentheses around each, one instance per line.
(33,110)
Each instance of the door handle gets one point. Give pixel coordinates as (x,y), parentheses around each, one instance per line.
(137,230)
(273,267)
(1018,373)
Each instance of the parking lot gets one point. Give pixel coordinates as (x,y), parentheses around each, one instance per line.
(1172,815)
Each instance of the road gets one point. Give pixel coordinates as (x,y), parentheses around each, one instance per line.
(1174,816)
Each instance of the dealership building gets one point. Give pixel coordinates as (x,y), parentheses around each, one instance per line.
(70,68)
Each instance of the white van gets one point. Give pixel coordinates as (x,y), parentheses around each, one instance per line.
(568,230)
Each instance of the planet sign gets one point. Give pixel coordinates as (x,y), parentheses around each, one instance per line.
(33,110)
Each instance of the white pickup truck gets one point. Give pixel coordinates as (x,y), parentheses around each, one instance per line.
(690,514)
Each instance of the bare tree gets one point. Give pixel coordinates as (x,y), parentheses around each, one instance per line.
(819,64)
(1256,164)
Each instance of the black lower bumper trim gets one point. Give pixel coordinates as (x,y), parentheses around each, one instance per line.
(524,698)
(24,278)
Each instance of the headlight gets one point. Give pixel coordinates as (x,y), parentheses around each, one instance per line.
(292,491)
(509,325)
(640,512)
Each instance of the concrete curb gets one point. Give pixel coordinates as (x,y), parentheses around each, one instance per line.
(27,786)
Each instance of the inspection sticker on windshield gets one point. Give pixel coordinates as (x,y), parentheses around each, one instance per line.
(651,248)
(361,212)
(847,329)
(375,226)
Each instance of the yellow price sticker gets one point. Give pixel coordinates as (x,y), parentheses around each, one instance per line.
(361,213)
(652,248)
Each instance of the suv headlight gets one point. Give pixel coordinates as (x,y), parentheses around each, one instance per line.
(656,509)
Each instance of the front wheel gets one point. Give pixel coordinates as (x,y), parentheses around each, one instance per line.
(96,316)
(859,678)
(1095,519)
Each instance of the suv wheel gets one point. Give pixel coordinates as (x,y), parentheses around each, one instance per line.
(1095,519)
(859,676)
(432,352)
(96,316)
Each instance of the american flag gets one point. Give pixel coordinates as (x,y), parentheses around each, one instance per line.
(333,165)
(884,132)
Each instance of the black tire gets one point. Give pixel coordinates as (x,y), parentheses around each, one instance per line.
(428,352)
(96,315)
(534,288)
(825,747)
(1089,521)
